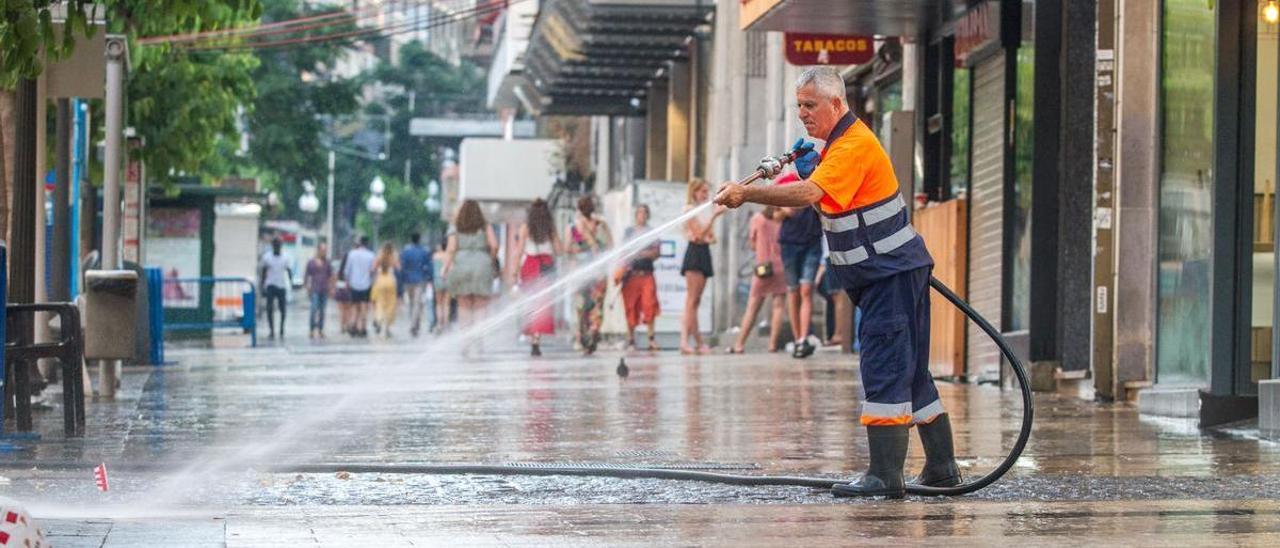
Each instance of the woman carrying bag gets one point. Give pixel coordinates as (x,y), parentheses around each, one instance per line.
(767,280)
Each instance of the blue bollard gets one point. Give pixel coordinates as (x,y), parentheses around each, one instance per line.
(155,306)
(249,320)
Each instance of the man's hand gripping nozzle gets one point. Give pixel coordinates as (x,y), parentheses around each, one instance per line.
(770,166)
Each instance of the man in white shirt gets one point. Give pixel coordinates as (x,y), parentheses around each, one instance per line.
(357,270)
(274,278)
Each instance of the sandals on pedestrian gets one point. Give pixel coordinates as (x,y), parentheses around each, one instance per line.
(734,350)
(653,345)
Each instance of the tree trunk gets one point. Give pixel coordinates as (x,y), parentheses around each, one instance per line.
(7,102)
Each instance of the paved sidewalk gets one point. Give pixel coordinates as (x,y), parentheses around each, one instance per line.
(1091,472)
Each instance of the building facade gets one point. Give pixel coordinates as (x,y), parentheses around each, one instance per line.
(1107,167)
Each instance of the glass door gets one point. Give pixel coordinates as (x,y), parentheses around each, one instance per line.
(1185,249)
(1262,335)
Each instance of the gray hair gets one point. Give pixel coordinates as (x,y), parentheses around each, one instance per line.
(825,80)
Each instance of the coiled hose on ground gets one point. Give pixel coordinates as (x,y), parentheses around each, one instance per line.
(733,479)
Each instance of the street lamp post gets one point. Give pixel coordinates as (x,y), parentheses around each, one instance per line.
(376,204)
(329,205)
(333,159)
(432,203)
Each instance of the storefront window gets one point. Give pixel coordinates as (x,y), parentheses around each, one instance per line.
(1262,316)
(888,99)
(960,132)
(1023,154)
(1186,184)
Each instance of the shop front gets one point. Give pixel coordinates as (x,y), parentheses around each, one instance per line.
(961,75)
(1216,259)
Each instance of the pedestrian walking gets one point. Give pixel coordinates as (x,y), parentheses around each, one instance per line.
(767,282)
(417,273)
(700,233)
(274,276)
(443,303)
(318,281)
(383,294)
(538,246)
(357,269)
(882,263)
(801,241)
(587,238)
(639,288)
(471,264)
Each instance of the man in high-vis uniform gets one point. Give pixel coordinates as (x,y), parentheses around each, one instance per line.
(882,263)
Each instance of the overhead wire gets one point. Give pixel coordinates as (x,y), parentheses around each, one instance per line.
(330,19)
(433,21)
(218,33)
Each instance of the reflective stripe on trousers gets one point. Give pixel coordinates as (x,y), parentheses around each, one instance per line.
(894,364)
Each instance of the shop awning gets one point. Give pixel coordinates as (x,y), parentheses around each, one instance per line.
(867,17)
(589,57)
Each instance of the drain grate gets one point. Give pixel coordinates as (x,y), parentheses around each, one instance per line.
(639,466)
(644,453)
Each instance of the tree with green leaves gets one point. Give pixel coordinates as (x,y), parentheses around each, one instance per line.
(297,94)
(183,104)
(406,213)
(27,32)
(422,85)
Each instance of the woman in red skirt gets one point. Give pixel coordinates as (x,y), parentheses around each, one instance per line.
(538,246)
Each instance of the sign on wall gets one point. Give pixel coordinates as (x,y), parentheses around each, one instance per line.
(977,32)
(134,203)
(828,49)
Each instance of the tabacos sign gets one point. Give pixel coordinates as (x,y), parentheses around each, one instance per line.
(828,49)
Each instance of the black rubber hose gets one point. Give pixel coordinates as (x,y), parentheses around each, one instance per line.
(733,479)
(1024,384)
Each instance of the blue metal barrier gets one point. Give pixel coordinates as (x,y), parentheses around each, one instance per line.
(155,313)
(206,303)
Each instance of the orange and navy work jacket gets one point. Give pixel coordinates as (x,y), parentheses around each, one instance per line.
(863,214)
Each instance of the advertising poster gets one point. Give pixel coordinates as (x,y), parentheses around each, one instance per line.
(666,202)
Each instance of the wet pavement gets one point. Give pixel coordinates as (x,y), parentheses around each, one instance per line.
(250,447)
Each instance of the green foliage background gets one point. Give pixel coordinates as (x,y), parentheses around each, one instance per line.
(191,106)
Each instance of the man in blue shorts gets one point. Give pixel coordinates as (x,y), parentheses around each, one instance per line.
(801,239)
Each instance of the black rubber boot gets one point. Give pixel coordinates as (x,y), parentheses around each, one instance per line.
(884,476)
(940,468)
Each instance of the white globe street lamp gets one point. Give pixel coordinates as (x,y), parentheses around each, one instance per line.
(376,204)
(308,202)
(432,203)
